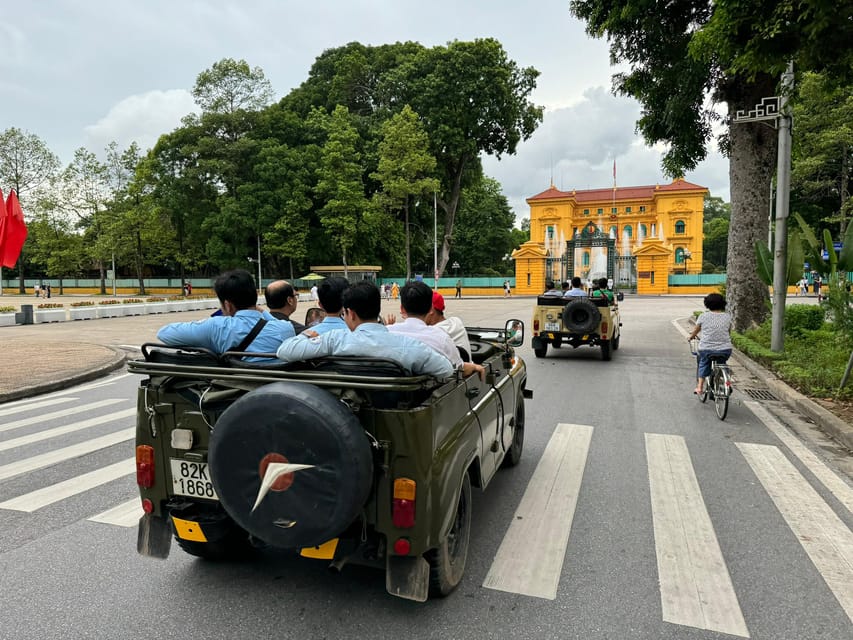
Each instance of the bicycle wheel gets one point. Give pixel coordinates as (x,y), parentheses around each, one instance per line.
(721,393)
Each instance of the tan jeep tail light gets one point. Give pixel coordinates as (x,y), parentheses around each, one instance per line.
(403,507)
(536,326)
(145,466)
(604,329)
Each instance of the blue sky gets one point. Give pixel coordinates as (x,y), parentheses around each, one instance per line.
(84,73)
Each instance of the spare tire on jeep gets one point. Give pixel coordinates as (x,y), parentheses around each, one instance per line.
(580,315)
(290,422)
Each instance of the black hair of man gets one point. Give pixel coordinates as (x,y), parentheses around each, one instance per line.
(565,286)
(329,294)
(276,294)
(363,299)
(237,287)
(715,302)
(416,298)
(602,283)
(549,284)
(576,282)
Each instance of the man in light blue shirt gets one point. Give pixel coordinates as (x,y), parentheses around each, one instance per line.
(577,289)
(366,337)
(330,298)
(239,298)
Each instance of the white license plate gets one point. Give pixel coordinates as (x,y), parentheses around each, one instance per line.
(552,326)
(192,479)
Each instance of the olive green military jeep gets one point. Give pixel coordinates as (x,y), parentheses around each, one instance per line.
(341,459)
(576,322)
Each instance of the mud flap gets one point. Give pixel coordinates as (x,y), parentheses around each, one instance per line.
(155,536)
(407,577)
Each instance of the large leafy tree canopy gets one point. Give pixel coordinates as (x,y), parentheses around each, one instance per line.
(684,55)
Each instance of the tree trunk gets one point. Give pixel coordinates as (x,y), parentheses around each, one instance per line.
(103,277)
(845,182)
(139,263)
(752,162)
(61,289)
(22,290)
(344,257)
(450,217)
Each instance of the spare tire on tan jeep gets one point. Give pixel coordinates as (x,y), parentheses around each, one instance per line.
(291,423)
(580,315)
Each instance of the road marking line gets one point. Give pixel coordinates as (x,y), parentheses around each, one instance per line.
(695,586)
(21,407)
(35,500)
(823,535)
(25,422)
(827,477)
(126,514)
(530,558)
(68,428)
(66,453)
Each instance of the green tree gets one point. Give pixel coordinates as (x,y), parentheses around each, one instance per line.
(484,234)
(230,86)
(26,164)
(405,168)
(823,150)
(715,243)
(340,183)
(731,50)
(57,247)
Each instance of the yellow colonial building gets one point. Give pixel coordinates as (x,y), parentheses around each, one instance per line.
(655,230)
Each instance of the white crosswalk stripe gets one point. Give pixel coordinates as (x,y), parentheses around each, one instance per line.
(62,413)
(825,538)
(530,558)
(35,500)
(65,429)
(126,514)
(66,453)
(695,586)
(22,407)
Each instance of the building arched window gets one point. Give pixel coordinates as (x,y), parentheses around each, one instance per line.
(627,231)
(679,255)
(550,232)
(586,258)
(643,231)
(679,227)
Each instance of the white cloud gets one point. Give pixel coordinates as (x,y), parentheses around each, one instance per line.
(142,118)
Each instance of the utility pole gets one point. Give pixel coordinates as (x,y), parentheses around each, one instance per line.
(783,192)
(776,110)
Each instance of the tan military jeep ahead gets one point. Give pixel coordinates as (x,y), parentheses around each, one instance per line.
(576,321)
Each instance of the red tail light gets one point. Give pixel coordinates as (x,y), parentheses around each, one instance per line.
(604,328)
(403,507)
(145,466)
(402,546)
(536,327)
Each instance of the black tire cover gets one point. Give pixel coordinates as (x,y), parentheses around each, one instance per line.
(300,424)
(581,315)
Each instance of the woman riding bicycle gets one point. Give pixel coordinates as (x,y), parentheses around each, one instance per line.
(715,326)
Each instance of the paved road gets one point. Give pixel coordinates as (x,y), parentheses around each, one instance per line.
(679,526)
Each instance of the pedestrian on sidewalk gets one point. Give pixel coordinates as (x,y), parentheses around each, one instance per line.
(507,289)
(458,289)
(36,289)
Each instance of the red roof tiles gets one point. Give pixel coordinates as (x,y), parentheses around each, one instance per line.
(622,193)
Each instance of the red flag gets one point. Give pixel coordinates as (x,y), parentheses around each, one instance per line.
(14,232)
(2,221)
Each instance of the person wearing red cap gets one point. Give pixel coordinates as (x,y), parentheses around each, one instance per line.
(451,324)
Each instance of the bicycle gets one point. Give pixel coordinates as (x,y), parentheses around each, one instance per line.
(717,386)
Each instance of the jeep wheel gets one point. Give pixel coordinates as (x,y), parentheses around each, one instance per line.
(234,546)
(513,455)
(581,315)
(616,341)
(289,422)
(447,563)
(606,353)
(540,352)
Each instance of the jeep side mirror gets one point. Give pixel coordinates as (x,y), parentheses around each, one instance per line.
(620,296)
(514,333)
(313,316)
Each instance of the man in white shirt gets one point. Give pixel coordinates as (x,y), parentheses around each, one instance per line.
(416,304)
(451,324)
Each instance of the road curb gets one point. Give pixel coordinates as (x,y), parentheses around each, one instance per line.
(118,360)
(827,421)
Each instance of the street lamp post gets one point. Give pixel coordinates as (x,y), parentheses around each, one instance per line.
(258,261)
(776,110)
(685,256)
(455,267)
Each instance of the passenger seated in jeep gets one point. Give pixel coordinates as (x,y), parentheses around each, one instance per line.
(367,337)
(601,290)
(241,327)
(551,290)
